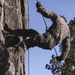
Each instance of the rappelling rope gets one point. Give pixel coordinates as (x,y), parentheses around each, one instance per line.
(45,23)
(28,50)
(55,51)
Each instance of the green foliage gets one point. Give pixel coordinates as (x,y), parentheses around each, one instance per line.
(72,27)
(54,66)
(69,66)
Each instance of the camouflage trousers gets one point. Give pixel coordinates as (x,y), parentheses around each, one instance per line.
(45,41)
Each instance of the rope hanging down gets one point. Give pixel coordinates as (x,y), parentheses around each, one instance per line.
(45,23)
(28,50)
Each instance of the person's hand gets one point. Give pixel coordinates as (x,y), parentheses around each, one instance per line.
(59,58)
(38,4)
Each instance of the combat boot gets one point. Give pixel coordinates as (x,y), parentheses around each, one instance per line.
(6,28)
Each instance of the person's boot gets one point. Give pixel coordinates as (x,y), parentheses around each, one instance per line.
(6,31)
(6,28)
(32,32)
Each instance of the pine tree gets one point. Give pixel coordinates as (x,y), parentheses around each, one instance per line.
(69,66)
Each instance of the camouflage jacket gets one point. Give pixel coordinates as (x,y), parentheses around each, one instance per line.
(59,29)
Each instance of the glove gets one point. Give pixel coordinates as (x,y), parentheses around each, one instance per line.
(38,4)
(59,58)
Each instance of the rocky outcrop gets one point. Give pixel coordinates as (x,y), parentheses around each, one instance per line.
(15,14)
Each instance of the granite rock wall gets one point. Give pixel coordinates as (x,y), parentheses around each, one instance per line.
(15,14)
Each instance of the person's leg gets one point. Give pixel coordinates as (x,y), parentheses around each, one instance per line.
(39,40)
(30,43)
(21,32)
(65,48)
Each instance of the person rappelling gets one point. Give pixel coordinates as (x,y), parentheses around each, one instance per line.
(57,33)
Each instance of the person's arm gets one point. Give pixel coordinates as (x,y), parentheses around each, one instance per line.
(20,32)
(44,12)
(65,47)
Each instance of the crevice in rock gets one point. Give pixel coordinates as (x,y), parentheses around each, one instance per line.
(22,8)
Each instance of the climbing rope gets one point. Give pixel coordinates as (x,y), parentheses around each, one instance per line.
(55,51)
(28,50)
(45,23)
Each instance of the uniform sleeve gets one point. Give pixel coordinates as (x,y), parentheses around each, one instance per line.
(45,13)
(65,47)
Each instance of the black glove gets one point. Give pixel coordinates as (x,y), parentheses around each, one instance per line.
(59,58)
(38,4)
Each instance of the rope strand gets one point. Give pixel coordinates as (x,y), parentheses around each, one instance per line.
(45,22)
(55,51)
(28,50)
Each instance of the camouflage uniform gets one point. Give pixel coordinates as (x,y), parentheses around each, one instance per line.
(57,33)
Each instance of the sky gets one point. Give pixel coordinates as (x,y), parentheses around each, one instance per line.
(36,57)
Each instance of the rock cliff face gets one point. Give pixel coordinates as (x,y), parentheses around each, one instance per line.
(15,14)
